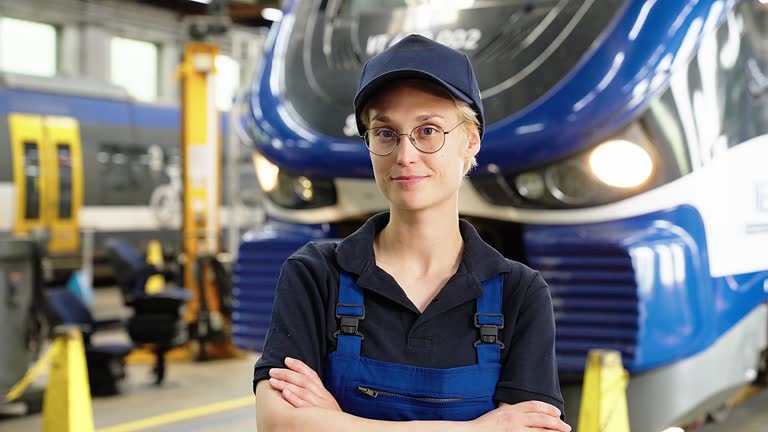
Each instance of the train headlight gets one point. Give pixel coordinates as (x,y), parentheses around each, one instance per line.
(570,182)
(266,172)
(304,189)
(621,163)
(530,185)
(612,170)
(302,192)
(293,191)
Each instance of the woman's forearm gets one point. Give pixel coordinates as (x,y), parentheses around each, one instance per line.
(274,414)
(322,420)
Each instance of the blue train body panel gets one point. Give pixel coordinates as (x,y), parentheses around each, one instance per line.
(260,258)
(639,285)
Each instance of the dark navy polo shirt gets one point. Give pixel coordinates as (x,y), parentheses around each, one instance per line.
(303,317)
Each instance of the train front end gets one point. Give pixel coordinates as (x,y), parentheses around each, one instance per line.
(622,159)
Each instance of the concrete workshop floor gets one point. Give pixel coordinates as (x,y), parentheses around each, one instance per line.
(189,385)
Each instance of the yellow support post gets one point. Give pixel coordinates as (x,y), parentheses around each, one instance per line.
(67,401)
(201,156)
(604,394)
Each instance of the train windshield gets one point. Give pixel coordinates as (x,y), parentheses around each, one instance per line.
(365,7)
(519,49)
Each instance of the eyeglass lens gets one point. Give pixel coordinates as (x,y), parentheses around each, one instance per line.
(426,138)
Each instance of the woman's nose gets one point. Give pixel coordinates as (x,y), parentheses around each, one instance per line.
(406,150)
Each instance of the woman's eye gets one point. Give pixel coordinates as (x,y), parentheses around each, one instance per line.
(385,134)
(427,131)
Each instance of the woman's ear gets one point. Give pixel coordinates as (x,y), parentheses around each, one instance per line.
(473,143)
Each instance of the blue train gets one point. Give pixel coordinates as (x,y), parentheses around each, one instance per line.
(626,158)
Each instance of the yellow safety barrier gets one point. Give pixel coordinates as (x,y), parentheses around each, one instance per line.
(67,401)
(155,283)
(18,389)
(604,394)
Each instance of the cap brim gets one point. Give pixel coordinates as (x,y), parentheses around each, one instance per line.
(370,89)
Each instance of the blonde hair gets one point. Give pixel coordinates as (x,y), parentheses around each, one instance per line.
(467,115)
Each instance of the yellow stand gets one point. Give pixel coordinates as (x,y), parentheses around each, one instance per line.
(67,401)
(201,153)
(604,396)
(155,283)
(145,354)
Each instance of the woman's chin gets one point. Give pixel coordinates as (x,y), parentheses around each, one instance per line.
(410,203)
(407,204)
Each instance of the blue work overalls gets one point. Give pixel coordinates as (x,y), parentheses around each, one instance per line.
(388,391)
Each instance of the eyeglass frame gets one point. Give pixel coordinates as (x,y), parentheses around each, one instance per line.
(410,138)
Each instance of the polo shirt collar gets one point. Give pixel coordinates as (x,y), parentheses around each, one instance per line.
(355,255)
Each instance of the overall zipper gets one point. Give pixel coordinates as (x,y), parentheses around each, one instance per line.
(375,393)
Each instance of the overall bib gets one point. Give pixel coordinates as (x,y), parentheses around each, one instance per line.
(388,391)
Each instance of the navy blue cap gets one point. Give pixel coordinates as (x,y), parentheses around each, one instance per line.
(418,57)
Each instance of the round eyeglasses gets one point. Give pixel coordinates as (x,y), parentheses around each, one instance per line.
(428,139)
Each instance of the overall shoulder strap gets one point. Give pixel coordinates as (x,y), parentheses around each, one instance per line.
(350,310)
(489,320)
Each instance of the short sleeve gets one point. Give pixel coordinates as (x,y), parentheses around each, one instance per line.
(298,319)
(530,372)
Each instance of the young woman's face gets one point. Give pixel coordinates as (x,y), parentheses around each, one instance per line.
(408,178)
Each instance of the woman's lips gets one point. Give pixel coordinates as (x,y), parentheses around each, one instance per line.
(408,180)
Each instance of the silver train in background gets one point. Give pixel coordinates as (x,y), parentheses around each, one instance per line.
(78,156)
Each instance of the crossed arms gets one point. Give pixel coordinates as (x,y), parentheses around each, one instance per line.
(295,399)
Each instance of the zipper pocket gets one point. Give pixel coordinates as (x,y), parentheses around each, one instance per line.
(375,393)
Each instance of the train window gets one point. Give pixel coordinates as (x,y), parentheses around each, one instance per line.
(125,54)
(129,174)
(64,161)
(31,180)
(39,38)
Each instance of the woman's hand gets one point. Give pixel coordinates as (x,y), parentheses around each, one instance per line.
(301,386)
(525,416)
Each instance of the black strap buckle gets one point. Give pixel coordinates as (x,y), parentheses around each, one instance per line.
(349,323)
(340,305)
(489,333)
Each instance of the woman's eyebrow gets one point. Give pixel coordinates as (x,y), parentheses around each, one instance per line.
(428,116)
(422,117)
(381,118)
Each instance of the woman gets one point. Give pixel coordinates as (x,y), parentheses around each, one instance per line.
(413,318)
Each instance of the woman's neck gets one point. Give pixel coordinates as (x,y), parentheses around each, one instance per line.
(420,243)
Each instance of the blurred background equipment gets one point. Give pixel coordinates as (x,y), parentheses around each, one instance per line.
(23,323)
(92,141)
(156,316)
(105,362)
(92,150)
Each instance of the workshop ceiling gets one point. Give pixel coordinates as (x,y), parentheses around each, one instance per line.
(243,12)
